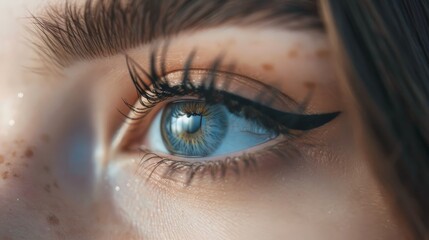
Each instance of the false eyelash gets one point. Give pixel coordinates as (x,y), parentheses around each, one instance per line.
(217,169)
(158,89)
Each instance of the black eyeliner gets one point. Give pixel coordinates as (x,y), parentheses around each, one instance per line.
(287,120)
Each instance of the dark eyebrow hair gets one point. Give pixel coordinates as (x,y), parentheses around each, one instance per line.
(102,28)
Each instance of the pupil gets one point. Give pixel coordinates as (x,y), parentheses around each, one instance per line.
(186,124)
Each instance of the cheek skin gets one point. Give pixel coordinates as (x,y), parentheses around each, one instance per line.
(34,203)
(331,209)
(35,199)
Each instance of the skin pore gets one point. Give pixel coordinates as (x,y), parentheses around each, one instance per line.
(66,171)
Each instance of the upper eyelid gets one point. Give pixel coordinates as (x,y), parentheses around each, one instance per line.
(160,82)
(70,32)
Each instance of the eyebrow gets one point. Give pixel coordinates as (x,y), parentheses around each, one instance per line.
(102,28)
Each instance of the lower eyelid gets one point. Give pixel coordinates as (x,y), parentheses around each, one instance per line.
(185,171)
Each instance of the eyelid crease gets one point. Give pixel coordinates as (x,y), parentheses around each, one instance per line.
(101,28)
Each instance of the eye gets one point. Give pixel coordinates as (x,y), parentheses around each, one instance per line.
(206,122)
(194,129)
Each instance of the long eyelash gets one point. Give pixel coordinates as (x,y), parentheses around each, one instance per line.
(158,89)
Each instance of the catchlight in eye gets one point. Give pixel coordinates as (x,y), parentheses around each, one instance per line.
(195,129)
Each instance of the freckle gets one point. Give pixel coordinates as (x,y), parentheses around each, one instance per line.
(310,85)
(13,154)
(53,220)
(47,188)
(8,164)
(26,165)
(5,175)
(15,175)
(293,53)
(267,67)
(29,153)
(1,159)
(322,53)
(55,184)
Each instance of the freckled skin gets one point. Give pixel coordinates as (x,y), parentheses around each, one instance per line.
(322,53)
(293,53)
(37,183)
(267,67)
(310,85)
(53,220)
(29,153)
(5,175)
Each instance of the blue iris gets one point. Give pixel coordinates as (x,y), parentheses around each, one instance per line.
(192,128)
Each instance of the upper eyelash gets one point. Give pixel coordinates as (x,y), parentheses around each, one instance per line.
(159,89)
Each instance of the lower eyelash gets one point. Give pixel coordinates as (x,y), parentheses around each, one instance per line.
(173,169)
(187,171)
